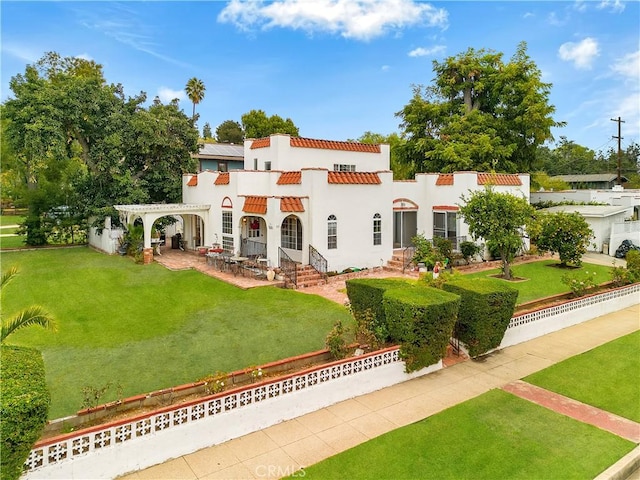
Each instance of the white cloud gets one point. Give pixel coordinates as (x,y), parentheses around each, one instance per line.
(385,68)
(628,66)
(166,94)
(357,19)
(26,54)
(528,15)
(616,6)
(85,56)
(423,52)
(581,54)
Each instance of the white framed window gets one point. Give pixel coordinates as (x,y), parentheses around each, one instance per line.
(332,232)
(227,222)
(341,167)
(291,233)
(377,229)
(445,225)
(227,244)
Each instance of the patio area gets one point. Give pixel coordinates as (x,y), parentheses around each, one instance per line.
(176,259)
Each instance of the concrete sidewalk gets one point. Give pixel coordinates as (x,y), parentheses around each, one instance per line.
(282,449)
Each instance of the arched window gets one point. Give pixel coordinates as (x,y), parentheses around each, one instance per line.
(291,233)
(377,229)
(332,232)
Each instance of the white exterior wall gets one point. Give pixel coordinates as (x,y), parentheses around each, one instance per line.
(625,198)
(284,157)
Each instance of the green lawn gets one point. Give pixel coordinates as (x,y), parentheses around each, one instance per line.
(5,228)
(146,327)
(543,279)
(493,436)
(611,379)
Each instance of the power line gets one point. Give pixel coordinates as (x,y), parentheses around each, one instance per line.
(619,137)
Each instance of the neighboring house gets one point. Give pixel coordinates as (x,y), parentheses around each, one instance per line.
(617,196)
(595,181)
(601,219)
(303,197)
(220,157)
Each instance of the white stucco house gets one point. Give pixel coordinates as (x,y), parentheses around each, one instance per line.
(301,197)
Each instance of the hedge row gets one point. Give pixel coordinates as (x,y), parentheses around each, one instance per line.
(24,404)
(486,308)
(418,318)
(422,321)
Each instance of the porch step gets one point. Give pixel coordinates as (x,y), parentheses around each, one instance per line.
(309,276)
(396,264)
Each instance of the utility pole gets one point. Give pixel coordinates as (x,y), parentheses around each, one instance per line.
(619,137)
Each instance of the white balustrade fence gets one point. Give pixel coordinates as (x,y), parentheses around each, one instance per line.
(107,451)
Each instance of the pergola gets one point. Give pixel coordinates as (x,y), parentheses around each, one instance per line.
(149,213)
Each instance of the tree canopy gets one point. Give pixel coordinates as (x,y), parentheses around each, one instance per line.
(74,140)
(229,131)
(401,171)
(499,219)
(566,233)
(195,91)
(480,113)
(256,124)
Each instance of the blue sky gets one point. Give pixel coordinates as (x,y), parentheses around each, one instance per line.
(339,68)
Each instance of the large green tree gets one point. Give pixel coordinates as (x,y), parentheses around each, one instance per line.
(480,113)
(75,140)
(229,131)
(256,124)
(499,219)
(195,91)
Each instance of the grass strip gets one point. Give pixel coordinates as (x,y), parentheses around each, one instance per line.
(493,436)
(605,377)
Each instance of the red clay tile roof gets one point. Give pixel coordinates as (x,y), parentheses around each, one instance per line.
(291,204)
(222,179)
(333,145)
(446,208)
(499,179)
(290,178)
(445,179)
(354,178)
(193,181)
(255,205)
(261,143)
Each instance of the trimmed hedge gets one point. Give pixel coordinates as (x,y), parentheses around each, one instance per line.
(24,404)
(365,294)
(422,321)
(486,308)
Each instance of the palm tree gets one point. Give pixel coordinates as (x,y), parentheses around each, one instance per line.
(195,91)
(34,315)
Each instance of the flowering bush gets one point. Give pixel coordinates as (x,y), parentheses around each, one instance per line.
(215,383)
(256,374)
(580,282)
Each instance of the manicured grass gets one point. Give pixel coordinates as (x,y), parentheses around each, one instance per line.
(146,327)
(11,242)
(11,220)
(493,436)
(605,377)
(544,278)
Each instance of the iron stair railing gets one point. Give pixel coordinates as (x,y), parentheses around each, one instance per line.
(288,267)
(317,261)
(407,256)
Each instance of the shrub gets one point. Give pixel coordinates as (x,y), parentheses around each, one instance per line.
(364,330)
(336,342)
(486,308)
(424,252)
(421,320)
(444,248)
(568,234)
(633,265)
(580,282)
(469,250)
(365,294)
(214,383)
(24,405)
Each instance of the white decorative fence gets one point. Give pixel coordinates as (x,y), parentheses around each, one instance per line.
(546,320)
(113,449)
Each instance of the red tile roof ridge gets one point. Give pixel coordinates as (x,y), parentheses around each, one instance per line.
(303,142)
